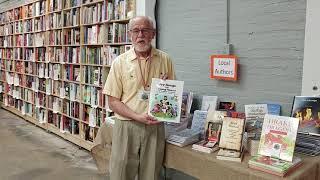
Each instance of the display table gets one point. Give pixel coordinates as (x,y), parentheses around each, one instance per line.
(207,167)
(204,166)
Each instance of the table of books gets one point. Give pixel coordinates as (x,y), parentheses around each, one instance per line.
(204,166)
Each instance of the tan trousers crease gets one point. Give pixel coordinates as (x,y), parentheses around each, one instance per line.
(136,149)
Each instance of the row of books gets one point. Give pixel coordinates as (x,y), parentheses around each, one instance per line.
(72,17)
(92,55)
(35,9)
(91,95)
(106,10)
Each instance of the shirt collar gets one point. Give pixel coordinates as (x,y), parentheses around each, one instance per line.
(133,56)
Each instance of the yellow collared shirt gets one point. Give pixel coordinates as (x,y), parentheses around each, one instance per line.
(124,79)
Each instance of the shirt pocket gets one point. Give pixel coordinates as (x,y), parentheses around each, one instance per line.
(130,81)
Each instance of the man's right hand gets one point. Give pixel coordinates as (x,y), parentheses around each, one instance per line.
(147,119)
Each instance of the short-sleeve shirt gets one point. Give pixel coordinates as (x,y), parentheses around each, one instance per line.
(124,80)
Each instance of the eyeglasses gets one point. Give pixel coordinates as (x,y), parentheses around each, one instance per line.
(143,31)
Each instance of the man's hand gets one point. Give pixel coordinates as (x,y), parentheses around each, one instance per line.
(146,119)
(164,76)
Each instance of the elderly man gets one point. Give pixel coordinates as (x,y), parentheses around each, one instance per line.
(138,139)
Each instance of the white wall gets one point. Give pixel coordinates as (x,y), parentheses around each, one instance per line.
(311,62)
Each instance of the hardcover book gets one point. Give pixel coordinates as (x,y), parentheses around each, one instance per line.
(307,110)
(278,137)
(165,100)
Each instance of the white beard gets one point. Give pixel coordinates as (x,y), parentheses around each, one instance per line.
(139,48)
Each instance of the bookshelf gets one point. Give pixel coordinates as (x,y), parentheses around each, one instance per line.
(55,56)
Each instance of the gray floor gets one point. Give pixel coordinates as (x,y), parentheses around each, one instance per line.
(29,152)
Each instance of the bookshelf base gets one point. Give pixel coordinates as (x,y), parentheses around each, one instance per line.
(67,136)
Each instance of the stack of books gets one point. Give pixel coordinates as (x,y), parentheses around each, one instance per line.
(192,135)
(230,155)
(276,147)
(274,165)
(205,146)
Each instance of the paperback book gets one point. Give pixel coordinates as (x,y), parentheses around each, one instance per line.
(254,118)
(165,100)
(278,137)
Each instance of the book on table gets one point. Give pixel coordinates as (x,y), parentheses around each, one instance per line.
(274,165)
(212,131)
(231,140)
(192,135)
(276,146)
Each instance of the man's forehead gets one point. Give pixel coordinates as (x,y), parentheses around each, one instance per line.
(141,23)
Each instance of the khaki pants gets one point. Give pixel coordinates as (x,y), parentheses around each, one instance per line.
(136,149)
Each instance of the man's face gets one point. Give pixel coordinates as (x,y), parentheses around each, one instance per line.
(141,34)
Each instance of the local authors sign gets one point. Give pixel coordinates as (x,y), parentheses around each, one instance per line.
(223,67)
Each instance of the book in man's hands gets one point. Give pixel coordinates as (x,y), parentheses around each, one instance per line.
(165,100)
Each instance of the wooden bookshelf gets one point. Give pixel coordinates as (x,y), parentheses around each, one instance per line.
(55,56)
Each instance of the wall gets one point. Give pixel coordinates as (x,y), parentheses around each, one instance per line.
(267,36)
(311,64)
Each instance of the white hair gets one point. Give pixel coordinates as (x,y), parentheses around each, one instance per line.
(147,18)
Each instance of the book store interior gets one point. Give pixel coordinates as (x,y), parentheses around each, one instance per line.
(159,89)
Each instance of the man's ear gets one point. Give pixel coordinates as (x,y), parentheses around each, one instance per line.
(153,34)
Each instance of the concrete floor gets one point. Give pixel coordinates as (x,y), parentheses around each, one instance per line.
(30,153)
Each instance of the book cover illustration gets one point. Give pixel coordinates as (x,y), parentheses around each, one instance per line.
(307,110)
(213,131)
(165,100)
(187,98)
(278,137)
(254,117)
(227,106)
(213,125)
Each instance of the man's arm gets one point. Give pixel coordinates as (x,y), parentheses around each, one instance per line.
(123,110)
